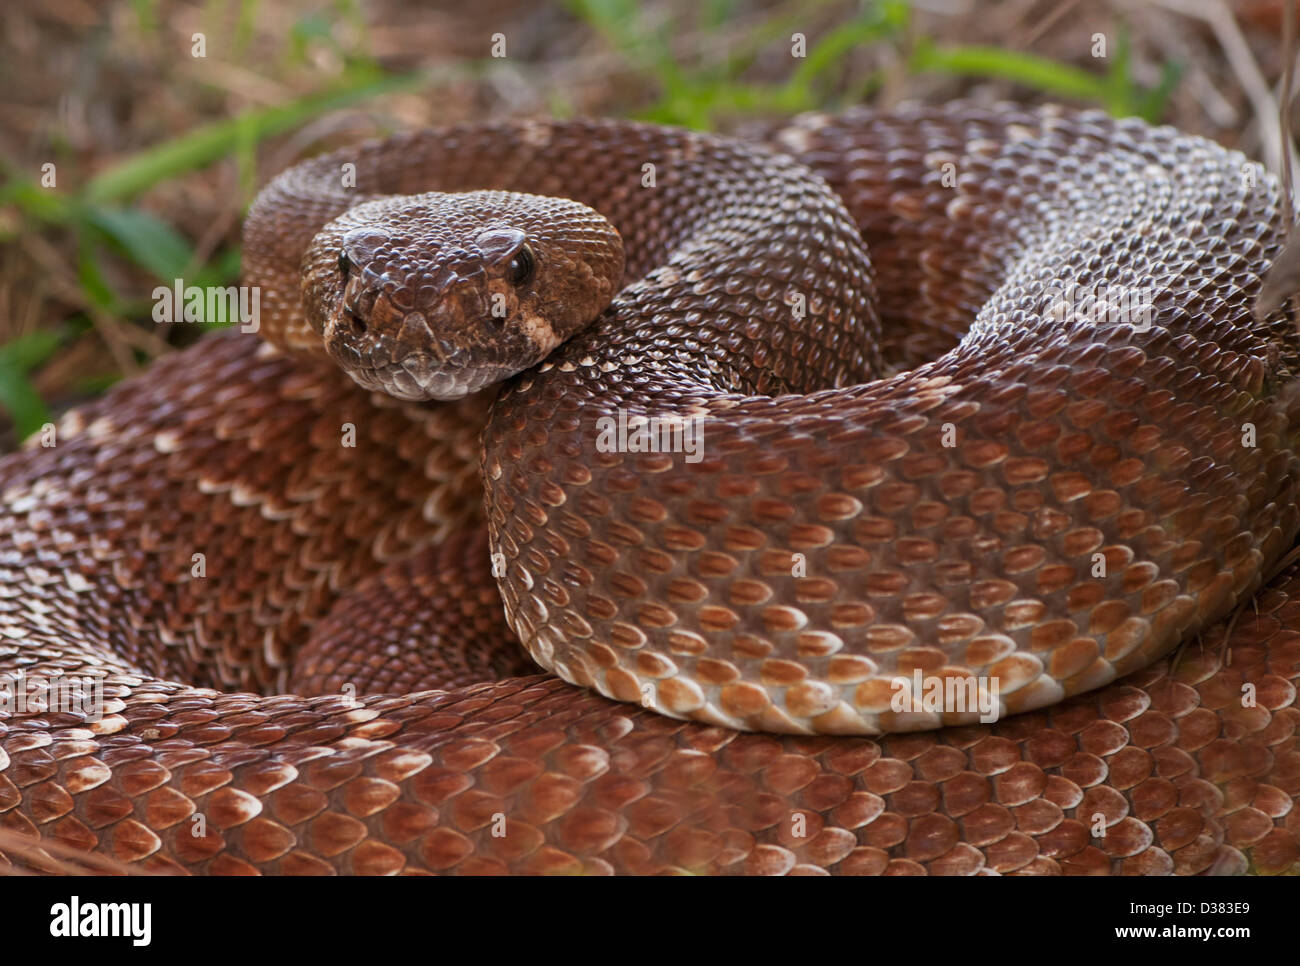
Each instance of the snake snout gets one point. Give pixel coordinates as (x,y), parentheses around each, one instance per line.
(406,352)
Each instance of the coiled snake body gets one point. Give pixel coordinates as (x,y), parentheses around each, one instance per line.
(986,401)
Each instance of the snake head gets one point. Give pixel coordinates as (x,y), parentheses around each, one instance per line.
(435,296)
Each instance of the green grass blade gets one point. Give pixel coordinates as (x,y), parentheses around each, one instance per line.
(212,141)
(152,244)
(829,52)
(1032,71)
(21,401)
(17,395)
(28,351)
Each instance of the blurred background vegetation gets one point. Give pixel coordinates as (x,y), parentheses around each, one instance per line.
(161,118)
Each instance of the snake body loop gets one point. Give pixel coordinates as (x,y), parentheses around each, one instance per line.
(978,394)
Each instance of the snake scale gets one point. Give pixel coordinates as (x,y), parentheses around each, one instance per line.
(980,396)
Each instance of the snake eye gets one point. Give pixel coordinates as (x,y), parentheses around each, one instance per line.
(521,267)
(345,264)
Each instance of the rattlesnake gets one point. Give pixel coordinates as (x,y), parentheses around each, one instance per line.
(977,393)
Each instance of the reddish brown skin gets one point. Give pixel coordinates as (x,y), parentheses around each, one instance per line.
(320,556)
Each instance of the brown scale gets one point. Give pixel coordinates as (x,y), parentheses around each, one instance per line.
(452,631)
(1070,439)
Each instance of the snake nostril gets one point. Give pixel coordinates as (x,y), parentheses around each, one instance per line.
(357,323)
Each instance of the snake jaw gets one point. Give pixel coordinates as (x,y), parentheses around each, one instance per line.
(419,378)
(402,353)
(415,366)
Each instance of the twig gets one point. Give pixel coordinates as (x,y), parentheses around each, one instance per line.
(1284,108)
(1234,46)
